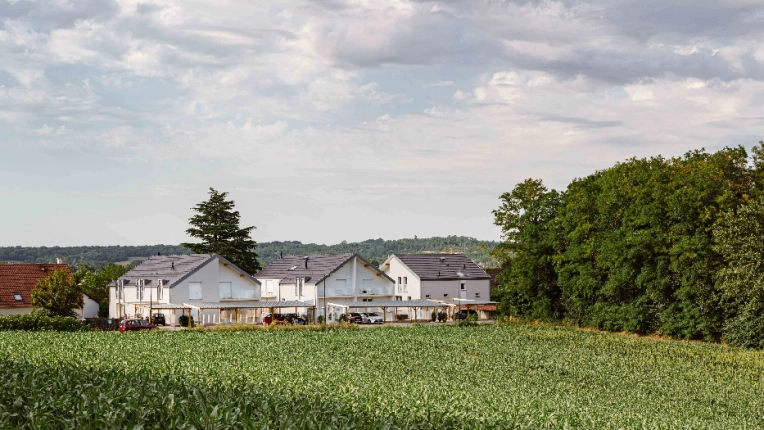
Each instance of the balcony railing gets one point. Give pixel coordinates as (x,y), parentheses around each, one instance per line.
(403,288)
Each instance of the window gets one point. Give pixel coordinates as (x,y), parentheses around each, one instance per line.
(140,287)
(477,294)
(427,296)
(17,297)
(269,288)
(398,298)
(399,280)
(405,280)
(366,285)
(367,300)
(160,291)
(194,291)
(463,286)
(445,295)
(225,290)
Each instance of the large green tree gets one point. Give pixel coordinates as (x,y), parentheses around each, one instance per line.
(216,225)
(58,294)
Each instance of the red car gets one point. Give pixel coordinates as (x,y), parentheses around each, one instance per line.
(135,325)
(280,319)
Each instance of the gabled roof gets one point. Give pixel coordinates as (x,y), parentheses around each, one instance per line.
(21,279)
(172,269)
(289,267)
(433,267)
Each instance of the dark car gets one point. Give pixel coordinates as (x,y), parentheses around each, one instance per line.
(295,319)
(462,314)
(135,325)
(277,318)
(158,319)
(355,317)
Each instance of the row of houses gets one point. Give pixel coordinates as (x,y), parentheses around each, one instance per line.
(213,290)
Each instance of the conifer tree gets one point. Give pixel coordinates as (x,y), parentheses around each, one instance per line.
(216,225)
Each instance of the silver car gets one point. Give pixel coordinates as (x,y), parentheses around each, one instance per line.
(371,318)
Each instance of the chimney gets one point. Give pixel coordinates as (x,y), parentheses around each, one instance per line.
(172,267)
(59,261)
(281,253)
(306,261)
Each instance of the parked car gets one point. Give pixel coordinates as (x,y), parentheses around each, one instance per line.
(372,318)
(277,318)
(355,317)
(158,319)
(295,319)
(462,314)
(135,325)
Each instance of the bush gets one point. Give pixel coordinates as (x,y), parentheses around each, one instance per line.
(442,316)
(470,321)
(433,316)
(320,319)
(183,320)
(747,329)
(103,309)
(38,321)
(343,318)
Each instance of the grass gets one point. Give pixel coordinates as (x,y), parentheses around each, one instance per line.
(515,376)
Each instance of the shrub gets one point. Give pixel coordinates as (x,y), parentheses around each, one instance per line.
(183,320)
(103,309)
(343,318)
(433,316)
(470,321)
(442,316)
(38,321)
(747,328)
(320,319)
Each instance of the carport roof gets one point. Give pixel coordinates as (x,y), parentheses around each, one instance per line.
(421,303)
(250,305)
(160,306)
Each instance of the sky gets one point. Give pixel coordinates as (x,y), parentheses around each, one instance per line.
(333,120)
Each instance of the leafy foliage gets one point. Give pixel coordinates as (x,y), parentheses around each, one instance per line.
(372,250)
(95,282)
(216,224)
(517,376)
(37,321)
(628,248)
(58,294)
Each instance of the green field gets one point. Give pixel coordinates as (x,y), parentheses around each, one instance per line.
(518,376)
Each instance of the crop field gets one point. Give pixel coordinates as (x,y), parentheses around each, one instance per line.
(428,377)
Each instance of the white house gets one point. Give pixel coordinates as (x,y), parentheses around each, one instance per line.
(175,284)
(323,278)
(443,277)
(18,280)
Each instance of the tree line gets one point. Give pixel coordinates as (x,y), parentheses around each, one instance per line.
(373,249)
(655,245)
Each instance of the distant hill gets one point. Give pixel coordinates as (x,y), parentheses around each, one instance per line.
(372,249)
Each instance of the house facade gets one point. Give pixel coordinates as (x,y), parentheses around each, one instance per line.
(172,284)
(17,282)
(444,277)
(323,278)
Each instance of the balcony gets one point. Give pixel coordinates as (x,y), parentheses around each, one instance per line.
(403,288)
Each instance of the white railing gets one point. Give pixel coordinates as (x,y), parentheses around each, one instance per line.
(403,288)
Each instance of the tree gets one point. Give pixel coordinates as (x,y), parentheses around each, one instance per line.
(738,240)
(216,224)
(95,283)
(58,294)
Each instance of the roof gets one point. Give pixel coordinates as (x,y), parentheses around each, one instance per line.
(318,267)
(419,303)
(250,304)
(172,269)
(21,279)
(434,267)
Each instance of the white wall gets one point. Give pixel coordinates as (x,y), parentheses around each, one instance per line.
(396,269)
(89,310)
(15,311)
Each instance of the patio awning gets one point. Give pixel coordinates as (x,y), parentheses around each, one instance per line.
(250,305)
(162,306)
(421,303)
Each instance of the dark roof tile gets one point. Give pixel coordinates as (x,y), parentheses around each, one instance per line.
(442,266)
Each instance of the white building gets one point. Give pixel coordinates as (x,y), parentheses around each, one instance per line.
(172,284)
(323,278)
(452,278)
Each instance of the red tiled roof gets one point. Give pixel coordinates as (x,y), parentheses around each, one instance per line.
(21,279)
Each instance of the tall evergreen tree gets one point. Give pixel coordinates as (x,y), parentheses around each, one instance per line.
(216,224)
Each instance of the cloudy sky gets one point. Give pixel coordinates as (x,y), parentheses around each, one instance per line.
(334,120)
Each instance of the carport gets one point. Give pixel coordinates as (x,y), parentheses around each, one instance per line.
(475,305)
(163,307)
(257,307)
(394,304)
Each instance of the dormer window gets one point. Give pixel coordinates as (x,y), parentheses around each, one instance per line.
(293,267)
(17,297)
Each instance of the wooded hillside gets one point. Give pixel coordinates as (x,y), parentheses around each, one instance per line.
(372,249)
